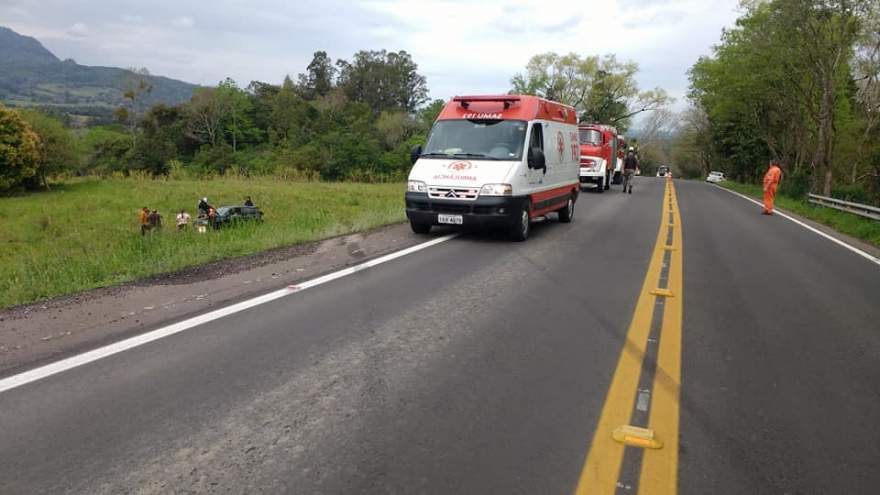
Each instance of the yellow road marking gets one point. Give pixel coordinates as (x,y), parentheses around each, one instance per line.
(602,467)
(660,467)
(662,292)
(637,437)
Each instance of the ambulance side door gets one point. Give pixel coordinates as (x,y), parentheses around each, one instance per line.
(535,176)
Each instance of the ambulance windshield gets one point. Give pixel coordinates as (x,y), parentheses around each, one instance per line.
(480,139)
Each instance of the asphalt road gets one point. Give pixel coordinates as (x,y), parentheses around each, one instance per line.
(484,366)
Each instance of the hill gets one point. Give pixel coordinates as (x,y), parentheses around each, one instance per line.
(31,75)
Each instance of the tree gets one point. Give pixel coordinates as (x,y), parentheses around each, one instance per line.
(57,148)
(291,118)
(602,89)
(135,87)
(318,80)
(780,85)
(206,113)
(383,80)
(395,127)
(19,150)
(238,107)
(428,114)
(164,138)
(261,95)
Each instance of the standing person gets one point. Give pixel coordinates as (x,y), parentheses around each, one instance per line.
(155,220)
(182,220)
(771,183)
(144,219)
(248,202)
(630,164)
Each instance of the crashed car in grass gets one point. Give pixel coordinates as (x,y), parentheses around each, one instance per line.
(231,215)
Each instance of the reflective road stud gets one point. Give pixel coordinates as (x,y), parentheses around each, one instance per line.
(635,436)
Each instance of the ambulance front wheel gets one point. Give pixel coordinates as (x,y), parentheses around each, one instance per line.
(519,231)
(419,228)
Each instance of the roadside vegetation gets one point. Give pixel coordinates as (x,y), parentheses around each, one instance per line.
(85,233)
(865,229)
(348,120)
(794,81)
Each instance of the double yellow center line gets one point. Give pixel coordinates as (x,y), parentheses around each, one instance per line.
(659,467)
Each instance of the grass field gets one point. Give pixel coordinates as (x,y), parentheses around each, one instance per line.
(85,233)
(865,229)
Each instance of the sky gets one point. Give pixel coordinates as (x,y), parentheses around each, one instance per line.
(462,47)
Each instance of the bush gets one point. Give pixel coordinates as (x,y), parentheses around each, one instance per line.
(19,150)
(106,150)
(214,160)
(348,151)
(857,193)
(796,186)
(307,160)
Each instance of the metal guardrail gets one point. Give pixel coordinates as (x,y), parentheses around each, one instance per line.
(847,206)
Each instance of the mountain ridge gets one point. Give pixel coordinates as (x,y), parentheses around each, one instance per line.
(31,75)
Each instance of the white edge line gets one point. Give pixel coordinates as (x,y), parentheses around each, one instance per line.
(35,374)
(833,239)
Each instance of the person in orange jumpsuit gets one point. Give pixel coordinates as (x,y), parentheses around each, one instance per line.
(771,183)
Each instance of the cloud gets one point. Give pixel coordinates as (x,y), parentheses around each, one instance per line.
(78,30)
(132,19)
(182,22)
(461,46)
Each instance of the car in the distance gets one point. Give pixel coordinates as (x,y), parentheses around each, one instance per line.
(232,215)
(663,171)
(715,177)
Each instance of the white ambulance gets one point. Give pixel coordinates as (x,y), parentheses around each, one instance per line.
(495,161)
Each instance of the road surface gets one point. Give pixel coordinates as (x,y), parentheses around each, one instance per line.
(483,366)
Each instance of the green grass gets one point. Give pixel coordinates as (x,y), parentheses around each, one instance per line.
(862,228)
(85,233)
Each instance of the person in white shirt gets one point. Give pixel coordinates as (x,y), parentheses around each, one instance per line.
(182,220)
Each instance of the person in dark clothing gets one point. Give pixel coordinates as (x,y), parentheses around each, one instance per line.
(155,220)
(630,165)
(203,206)
(248,202)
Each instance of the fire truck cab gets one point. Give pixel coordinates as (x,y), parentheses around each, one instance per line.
(495,161)
(599,150)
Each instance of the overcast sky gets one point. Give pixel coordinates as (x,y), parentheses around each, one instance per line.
(460,46)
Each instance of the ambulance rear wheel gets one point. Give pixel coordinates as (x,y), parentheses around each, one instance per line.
(567,214)
(420,228)
(519,231)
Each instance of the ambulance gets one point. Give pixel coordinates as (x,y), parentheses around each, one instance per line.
(495,161)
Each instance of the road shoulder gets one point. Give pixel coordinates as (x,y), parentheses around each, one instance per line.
(38,333)
(825,229)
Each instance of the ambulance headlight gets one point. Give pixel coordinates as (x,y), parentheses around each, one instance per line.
(416,186)
(496,190)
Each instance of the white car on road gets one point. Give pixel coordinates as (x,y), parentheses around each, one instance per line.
(715,177)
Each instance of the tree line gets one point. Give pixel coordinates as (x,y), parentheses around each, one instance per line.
(345,120)
(795,81)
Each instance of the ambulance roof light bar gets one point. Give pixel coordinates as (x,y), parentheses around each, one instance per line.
(465,101)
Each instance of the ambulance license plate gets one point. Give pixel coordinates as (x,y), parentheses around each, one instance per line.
(450,219)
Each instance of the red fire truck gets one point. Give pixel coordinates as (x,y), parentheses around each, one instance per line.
(600,149)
